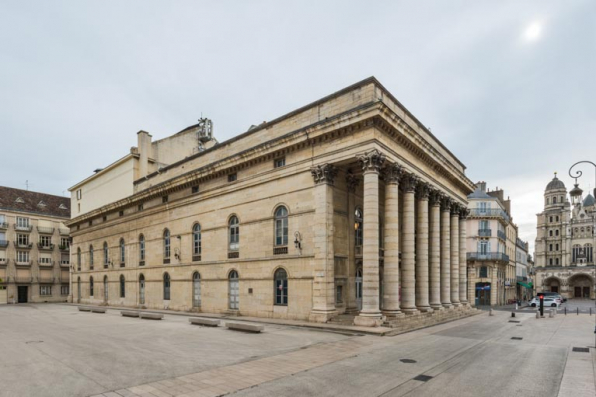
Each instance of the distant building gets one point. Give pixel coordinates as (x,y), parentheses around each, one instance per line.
(564,251)
(524,283)
(34,246)
(491,245)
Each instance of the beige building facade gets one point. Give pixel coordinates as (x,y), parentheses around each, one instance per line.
(348,205)
(34,247)
(564,253)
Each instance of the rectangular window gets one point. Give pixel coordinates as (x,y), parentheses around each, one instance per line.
(121,213)
(64,290)
(280,162)
(64,259)
(45,290)
(23,240)
(164,199)
(232,177)
(46,260)
(22,222)
(23,256)
(140,207)
(79,194)
(104,219)
(45,241)
(483,272)
(64,242)
(339,295)
(194,189)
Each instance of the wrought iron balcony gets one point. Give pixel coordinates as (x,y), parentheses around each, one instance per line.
(64,232)
(45,230)
(485,232)
(501,234)
(45,247)
(3,225)
(23,245)
(489,256)
(495,212)
(64,247)
(279,250)
(22,228)
(3,243)
(45,264)
(65,263)
(21,263)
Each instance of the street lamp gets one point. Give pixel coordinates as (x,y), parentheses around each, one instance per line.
(576,193)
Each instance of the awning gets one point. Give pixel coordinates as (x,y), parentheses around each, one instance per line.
(524,284)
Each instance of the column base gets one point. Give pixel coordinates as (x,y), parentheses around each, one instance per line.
(424,309)
(369,320)
(393,313)
(409,312)
(436,307)
(447,305)
(321,316)
(456,304)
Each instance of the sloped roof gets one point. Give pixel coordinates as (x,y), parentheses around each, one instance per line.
(479,194)
(589,200)
(39,203)
(555,184)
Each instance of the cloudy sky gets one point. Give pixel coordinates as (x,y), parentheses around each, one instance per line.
(508,86)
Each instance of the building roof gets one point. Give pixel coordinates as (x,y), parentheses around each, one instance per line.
(479,194)
(589,200)
(555,184)
(33,202)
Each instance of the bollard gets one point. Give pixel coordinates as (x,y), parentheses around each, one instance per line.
(590,311)
(512,314)
(565,310)
(490,313)
(577,311)
(537,314)
(551,314)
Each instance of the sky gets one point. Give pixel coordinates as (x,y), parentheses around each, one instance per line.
(507,86)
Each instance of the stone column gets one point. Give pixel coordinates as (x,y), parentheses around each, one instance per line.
(422,249)
(455,255)
(408,287)
(324,277)
(435,250)
(463,259)
(352,183)
(445,253)
(472,286)
(391,276)
(370,315)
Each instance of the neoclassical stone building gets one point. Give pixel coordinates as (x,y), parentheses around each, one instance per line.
(565,243)
(346,205)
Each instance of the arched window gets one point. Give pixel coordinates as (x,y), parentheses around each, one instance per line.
(547,201)
(196,240)
(281,226)
(122,253)
(557,218)
(281,287)
(166,244)
(588,249)
(105,288)
(196,289)
(142,289)
(233,290)
(234,233)
(79,259)
(141,250)
(106,256)
(554,200)
(91,286)
(358,227)
(557,232)
(122,286)
(91,260)
(166,287)
(550,233)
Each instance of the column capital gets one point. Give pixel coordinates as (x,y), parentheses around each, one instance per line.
(423,190)
(435,197)
(455,208)
(372,160)
(464,212)
(324,173)
(446,203)
(352,182)
(409,182)
(393,173)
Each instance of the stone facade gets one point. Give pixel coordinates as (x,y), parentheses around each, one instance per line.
(347,205)
(564,253)
(34,247)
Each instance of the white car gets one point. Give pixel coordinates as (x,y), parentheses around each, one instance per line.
(549,301)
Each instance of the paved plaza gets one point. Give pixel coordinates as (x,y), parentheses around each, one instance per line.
(55,350)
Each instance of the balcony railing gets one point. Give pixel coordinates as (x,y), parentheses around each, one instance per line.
(23,245)
(3,261)
(485,232)
(22,263)
(489,256)
(22,228)
(64,232)
(3,243)
(3,225)
(46,280)
(501,234)
(45,247)
(64,263)
(46,264)
(280,250)
(495,212)
(64,247)
(45,230)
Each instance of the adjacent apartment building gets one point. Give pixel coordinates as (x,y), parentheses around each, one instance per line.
(346,205)
(34,246)
(492,245)
(565,242)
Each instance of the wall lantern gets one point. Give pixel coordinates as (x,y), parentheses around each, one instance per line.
(298,241)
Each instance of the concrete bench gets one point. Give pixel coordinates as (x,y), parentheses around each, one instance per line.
(84,309)
(98,310)
(128,313)
(207,322)
(151,316)
(245,327)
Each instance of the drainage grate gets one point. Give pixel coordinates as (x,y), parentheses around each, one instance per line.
(423,378)
(517,338)
(581,349)
(407,361)
(514,321)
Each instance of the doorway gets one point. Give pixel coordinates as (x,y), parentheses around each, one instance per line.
(196,290)
(234,291)
(483,294)
(22,294)
(577,292)
(359,289)
(142,290)
(586,292)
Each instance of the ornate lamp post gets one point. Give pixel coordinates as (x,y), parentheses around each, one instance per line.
(575,194)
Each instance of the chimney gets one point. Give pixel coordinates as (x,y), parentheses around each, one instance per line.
(144,145)
(481,186)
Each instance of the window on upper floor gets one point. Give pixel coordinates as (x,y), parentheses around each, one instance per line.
(106,256)
(281,226)
(164,199)
(280,162)
(196,241)
(234,233)
(166,244)
(91,260)
(122,253)
(232,177)
(141,250)
(358,226)
(194,189)
(554,200)
(79,194)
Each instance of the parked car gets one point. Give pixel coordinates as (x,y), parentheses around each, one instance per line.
(549,301)
(552,294)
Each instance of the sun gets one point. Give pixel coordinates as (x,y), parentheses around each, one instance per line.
(533,31)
